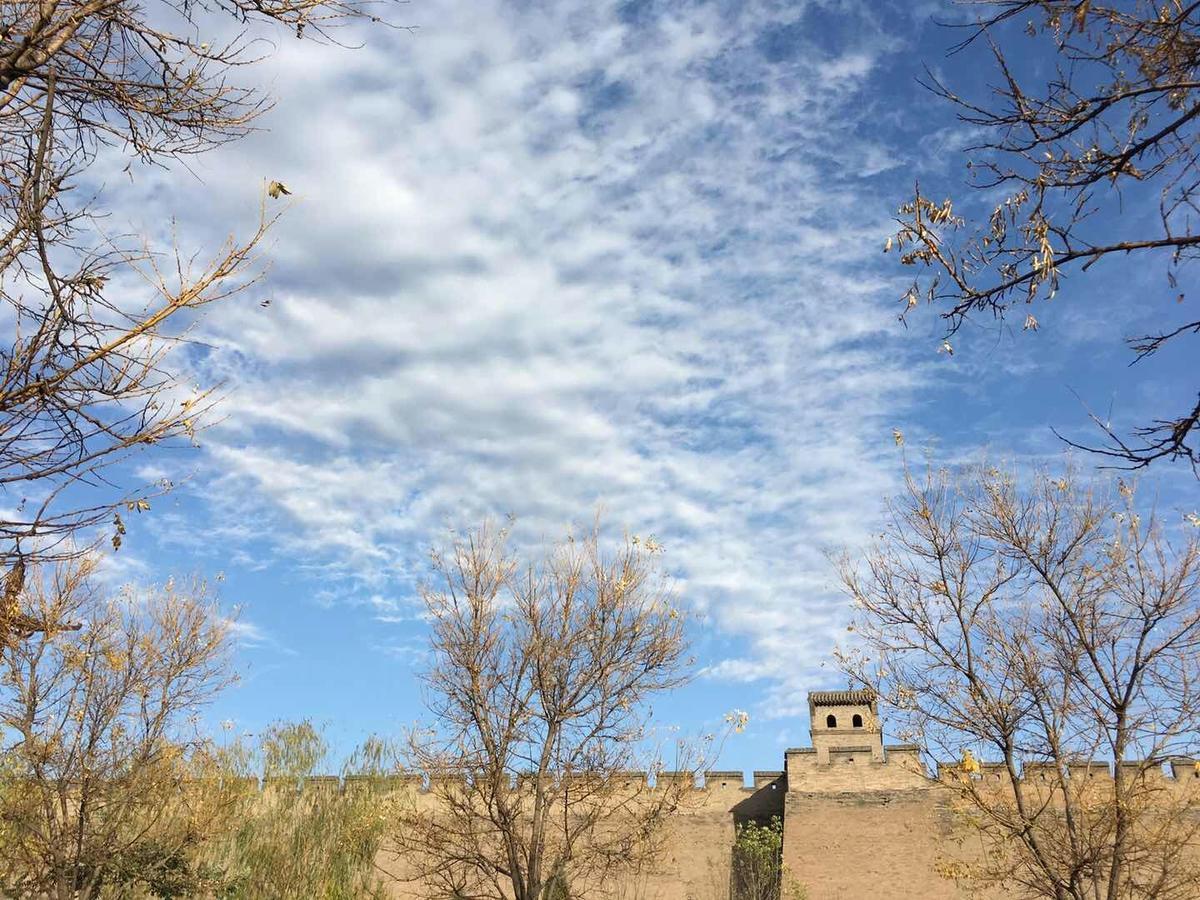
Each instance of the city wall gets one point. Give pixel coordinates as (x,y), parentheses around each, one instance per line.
(861,819)
(854,827)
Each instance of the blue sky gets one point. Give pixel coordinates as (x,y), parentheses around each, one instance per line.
(550,257)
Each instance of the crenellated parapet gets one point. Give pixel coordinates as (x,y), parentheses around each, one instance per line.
(323,784)
(1149,770)
(1178,773)
(727,780)
(1094,769)
(849,770)
(1185,770)
(724,780)
(765,778)
(846,769)
(676,780)
(631,780)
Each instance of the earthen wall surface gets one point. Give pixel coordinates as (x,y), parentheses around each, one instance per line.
(861,820)
(854,831)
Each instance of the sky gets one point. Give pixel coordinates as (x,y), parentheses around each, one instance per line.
(545,259)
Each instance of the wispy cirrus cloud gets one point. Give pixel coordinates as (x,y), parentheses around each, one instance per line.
(549,258)
(248,635)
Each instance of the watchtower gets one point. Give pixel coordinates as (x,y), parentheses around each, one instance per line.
(844,722)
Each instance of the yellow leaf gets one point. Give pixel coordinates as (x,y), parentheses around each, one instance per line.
(969,765)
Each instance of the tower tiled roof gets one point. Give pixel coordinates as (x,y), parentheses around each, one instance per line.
(841,698)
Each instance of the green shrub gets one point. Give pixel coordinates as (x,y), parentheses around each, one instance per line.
(757,871)
(291,840)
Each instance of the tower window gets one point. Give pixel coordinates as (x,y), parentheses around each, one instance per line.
(831,721)
(857,721)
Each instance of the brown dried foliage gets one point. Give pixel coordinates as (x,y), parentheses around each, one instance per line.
(86,378)
(539,687)
(1118,107)
(1048,628)
(99,761)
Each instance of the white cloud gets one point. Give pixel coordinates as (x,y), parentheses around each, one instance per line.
(541,261)
(248,635)
(411,653)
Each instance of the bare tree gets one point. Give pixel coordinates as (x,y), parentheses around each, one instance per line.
(1106,119)
(1042,634)
(98,751)
(539,686)
(87,377)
